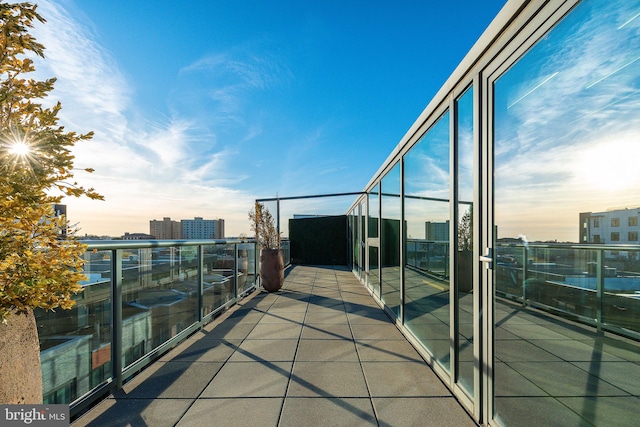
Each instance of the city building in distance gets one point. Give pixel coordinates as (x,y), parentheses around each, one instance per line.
(437,231)
(167,229)
(615,226)
(188,229)
(136,236)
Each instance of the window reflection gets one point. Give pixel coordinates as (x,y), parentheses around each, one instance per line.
(566,147)
(374,215)
(464,262)
(390,239)
(427,221)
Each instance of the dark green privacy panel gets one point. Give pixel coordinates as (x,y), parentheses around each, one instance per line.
(319,240)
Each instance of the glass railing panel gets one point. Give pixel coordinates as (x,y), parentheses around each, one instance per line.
(159,297)
(622,311)
(621,289)
(410,253)
(160,291)
(75,345)
(285,246)
(218,276)
(246,266)
(565,281)
(569,299)
(429,257)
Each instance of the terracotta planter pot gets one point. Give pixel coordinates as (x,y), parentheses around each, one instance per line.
(271,269)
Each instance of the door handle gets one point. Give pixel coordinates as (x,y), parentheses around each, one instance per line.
(487,258)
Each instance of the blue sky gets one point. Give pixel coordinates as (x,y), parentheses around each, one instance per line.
(200,107)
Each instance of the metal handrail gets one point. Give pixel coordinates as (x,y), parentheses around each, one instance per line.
(111,287)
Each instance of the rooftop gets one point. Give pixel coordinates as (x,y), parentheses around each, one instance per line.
(318,352)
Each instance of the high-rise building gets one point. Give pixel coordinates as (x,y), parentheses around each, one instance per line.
(199,228)
(167,229)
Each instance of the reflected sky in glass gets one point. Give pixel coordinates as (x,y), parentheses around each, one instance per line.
(428,163)
(567,124)
(427,175)
(464,128)
(391,193)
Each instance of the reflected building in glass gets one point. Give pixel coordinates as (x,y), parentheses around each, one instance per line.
(611,226)
(527,319)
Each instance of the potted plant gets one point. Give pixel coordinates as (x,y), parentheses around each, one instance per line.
(268,239)
(40,262)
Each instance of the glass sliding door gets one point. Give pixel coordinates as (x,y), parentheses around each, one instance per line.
(566,144)
(373,241)
(427,212)
(362,234)
(464,137)
(390,239)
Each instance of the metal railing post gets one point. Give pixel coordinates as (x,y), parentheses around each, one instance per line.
(278,215)
(235,271)
(116,320)
(600,273)
(525,272)
(200,283)
(256,266)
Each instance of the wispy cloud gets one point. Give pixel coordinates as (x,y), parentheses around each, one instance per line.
(88,77)
(166,165)
(227,80)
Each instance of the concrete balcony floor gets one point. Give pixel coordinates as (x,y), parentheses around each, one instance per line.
(319,352)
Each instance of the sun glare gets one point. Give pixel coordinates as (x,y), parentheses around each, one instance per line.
(611,165)
(19,149)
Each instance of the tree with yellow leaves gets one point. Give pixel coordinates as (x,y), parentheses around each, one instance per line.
(40,261)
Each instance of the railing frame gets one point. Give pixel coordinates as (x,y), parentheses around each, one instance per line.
(599,320)
(120,373)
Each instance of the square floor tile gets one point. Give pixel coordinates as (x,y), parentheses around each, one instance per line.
(233,412)
(565,379)
(337,379)
(386,351)
(203,350)
(327,316)
(326,351)
(377,331)
(135,412)
(319,411)
(171,380)
(621,411)
(279,331)
(392,379)
(250,379)
(265,351)
(421,411)
(326,331)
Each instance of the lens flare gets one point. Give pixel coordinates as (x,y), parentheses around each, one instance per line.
(19,149)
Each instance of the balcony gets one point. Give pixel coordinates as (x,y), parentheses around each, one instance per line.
(320,352)
(445,307)
(189,337)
